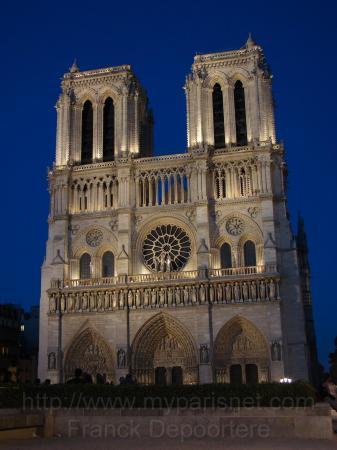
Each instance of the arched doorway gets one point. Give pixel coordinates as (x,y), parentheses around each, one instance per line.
(163,348)
(241,354)
(90,353)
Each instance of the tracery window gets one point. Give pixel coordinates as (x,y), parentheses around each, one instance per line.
(249,254)
(240,114)
(218,117)
(226,256)
(85,266)
(87,133)
(166,248)
(108,263)
(108,130)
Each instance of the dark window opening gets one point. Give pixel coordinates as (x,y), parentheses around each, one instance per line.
(218,117)
(87,133)
(226,256)
(249,253)
(240,114)
(108,130)
(85,266)
(108,263)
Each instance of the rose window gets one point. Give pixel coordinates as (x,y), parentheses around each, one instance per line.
(166,248)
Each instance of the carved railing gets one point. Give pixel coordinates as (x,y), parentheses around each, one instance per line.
(181,293)
(234,271)
(184,275)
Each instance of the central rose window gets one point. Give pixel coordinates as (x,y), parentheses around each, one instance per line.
(166,248)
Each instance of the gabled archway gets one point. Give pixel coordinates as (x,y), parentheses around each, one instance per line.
(241,347)
(163,342)
(91,353)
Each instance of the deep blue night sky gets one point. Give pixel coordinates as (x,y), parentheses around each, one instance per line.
(38,44)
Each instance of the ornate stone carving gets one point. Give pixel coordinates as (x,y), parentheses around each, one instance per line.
(235,226)
(204,354)
(276,351)
(166,248)
(66,301)
(94,237)
(121,358)
(52,361)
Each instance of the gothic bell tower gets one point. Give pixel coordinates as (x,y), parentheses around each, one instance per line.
(229,99)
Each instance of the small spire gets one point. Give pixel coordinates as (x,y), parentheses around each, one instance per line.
(250,41)
(74,68)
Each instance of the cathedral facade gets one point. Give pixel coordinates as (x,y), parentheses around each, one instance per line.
(179,268)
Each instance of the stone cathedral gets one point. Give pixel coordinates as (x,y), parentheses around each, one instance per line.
(179,269)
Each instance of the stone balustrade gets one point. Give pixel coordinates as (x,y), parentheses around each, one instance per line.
(261,289)
(165,277)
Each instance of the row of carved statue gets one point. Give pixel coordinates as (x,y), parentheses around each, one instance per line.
(156,297)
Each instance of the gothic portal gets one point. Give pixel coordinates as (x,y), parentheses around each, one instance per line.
(181,268)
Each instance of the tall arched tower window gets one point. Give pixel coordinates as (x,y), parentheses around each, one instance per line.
(85,266)
(87,133)
(226,256)
(108,265)
(108,130)
(218,117)
(240,114)
(249,254)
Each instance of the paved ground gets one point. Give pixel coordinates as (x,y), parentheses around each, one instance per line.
(169,444)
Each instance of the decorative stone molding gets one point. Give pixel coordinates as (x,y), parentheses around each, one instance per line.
(183,295)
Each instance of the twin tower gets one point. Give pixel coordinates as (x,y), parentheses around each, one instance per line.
(103,114)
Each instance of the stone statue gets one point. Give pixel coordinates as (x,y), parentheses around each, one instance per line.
(52,304)
(52,361)
(130,299)
(211,294)
(194,295)
(114,300)
(245,291)
(276,351)
(153,297)
(169,296)
(271,290)
(219,292)
(84,301)
(186,295)
(162,261)
(99,301)
(161,297)
(253,290)
(204,354)
(137,298)
(228,293)
(236,292)
(121,359)
(146,298)
(168,263)
(77,302)
(202,294)
(121,298)
(92,301)
(107,300)
(70,303)
(63,303)
(262,290)
(177,295)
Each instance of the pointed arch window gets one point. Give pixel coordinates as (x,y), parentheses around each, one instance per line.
(85,266)
(240,113)
(226,256)
(108,265)
(218,117)
(87,133)
(249,254)
(108,130)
